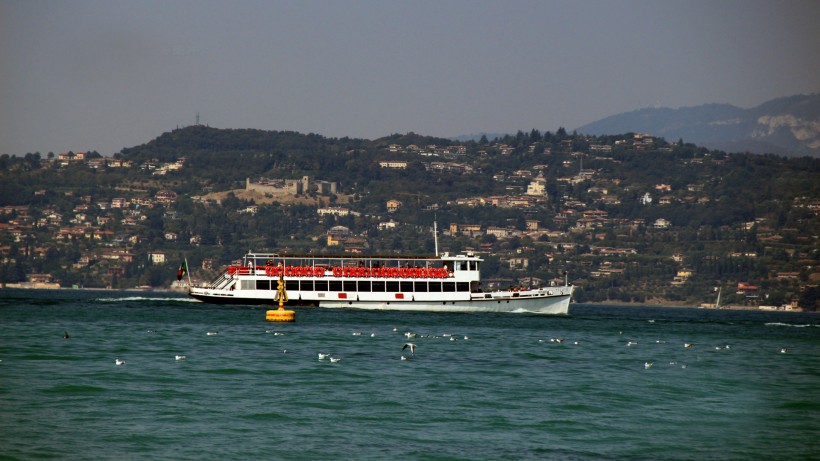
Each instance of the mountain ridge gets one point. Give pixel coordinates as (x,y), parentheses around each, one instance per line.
(787,126)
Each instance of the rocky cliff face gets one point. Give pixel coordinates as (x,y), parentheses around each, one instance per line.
(784,126)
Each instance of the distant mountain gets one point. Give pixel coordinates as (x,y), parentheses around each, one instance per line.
(784,126)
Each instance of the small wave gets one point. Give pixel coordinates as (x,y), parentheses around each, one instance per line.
(793,325)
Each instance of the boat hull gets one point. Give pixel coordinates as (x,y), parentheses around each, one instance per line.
(547,304)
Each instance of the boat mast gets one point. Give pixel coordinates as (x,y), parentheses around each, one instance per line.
(435,235)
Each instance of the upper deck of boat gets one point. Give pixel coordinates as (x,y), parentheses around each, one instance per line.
(355,260)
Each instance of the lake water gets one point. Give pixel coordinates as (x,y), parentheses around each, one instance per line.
(619,385)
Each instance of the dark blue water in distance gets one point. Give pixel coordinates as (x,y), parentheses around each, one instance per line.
(748,388)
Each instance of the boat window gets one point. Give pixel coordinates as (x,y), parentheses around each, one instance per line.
(335,285)
(364,285)
(321,285)
(349,285)
(435,287)
(462,286)
(306,285)
(448,287)
(248,285)
(473,265)
(461,265)
(378,286)
(392,286)
(420,287)
(292,285)
(263,284)
(406,287)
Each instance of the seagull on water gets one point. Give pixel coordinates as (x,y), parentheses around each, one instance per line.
(334,359)
(119,362)
(783,350)
(631,343)
(412,347)
(212,333)
(688,345)
(409,334)
(180,357)
(323,355)
(647,365)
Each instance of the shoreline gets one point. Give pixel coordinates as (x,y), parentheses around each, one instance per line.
(727,307)
(660,304)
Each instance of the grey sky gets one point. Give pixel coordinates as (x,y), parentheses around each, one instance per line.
(106,74)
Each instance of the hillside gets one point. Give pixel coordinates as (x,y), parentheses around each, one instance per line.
(631,218)
(784,126)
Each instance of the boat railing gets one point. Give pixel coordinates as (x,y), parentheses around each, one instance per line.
(221,281)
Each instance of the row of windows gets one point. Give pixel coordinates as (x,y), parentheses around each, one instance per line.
(359,286)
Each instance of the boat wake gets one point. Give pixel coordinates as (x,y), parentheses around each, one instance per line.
(145,298)
(793,325)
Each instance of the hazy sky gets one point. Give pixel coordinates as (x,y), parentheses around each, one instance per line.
(102,75)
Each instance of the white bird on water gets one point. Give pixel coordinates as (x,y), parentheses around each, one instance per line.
(212,333)
(688,345)
(323,355)
(334,359)
(119,362)
(180,357)
(648,365)
(412,347)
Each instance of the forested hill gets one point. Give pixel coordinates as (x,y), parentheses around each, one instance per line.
(223,156)
(200,138)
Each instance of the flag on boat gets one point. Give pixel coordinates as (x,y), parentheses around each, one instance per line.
(183,269)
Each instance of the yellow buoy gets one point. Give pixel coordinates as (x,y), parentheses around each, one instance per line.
(280,315)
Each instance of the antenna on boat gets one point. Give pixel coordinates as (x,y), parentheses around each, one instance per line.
(435,235)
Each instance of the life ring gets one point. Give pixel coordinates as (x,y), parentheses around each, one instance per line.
(338,271)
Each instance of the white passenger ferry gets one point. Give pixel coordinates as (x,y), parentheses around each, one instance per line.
(446,283)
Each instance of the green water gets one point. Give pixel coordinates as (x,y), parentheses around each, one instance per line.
(257,390)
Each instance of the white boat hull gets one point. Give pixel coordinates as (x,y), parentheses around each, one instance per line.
(554,301)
